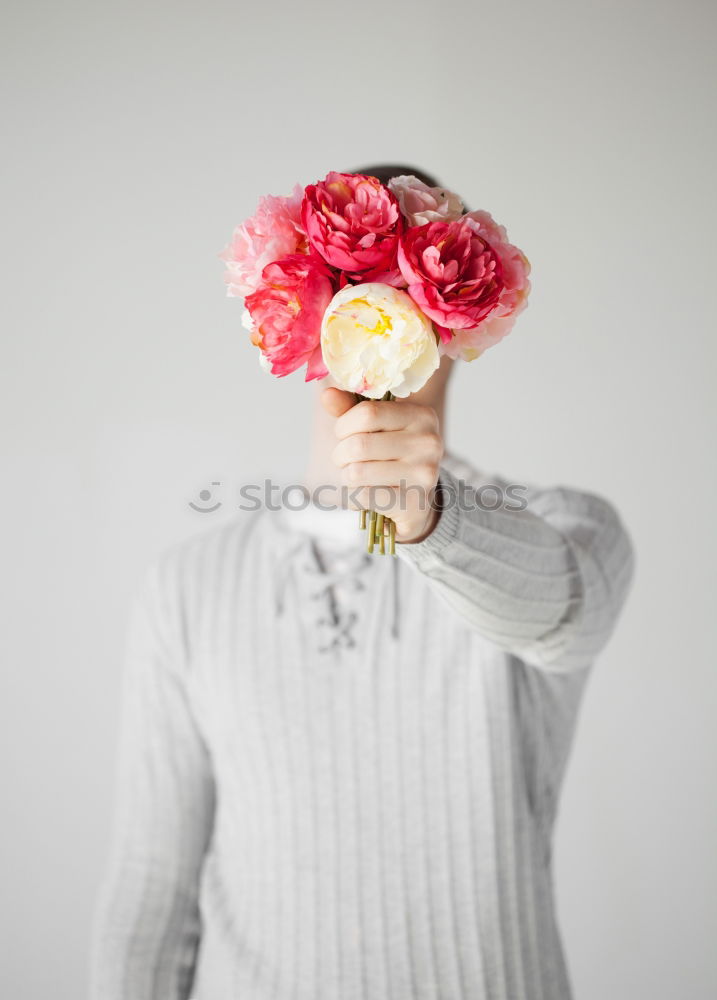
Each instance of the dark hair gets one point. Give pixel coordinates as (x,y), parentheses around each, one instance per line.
(385,171)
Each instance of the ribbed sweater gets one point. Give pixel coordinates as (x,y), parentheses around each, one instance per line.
(339,773)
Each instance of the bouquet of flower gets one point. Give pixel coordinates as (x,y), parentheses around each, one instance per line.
(371,283)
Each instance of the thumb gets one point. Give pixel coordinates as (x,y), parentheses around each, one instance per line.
(336,402)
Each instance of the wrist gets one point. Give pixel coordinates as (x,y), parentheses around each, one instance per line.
(427,530)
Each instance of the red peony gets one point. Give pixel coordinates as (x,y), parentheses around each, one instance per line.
(286,312)
(454,274)
(354,222)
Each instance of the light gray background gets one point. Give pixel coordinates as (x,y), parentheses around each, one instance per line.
(136,136)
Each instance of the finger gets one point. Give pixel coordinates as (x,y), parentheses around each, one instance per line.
(378,415)
(382,499)
(390,473)
(419,478)
(393,503)
(337,401)
(384,446)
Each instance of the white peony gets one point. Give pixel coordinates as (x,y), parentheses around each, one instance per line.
(375,339)
(421,204)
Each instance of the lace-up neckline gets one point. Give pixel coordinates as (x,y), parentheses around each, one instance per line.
(323,550)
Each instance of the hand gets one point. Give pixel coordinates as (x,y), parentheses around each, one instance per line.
(388,444)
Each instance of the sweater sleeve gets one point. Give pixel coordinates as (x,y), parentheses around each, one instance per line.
(146,930)
(545,582)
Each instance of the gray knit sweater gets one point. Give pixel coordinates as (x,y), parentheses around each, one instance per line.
(338,774)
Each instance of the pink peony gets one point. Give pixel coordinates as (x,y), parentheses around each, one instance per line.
(470,342)
(421,204)
(354,222)
(274,231)
(286,312)
(462,272)
(453,274)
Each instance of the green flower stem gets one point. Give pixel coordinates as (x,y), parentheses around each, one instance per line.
(371,531)
(380,518)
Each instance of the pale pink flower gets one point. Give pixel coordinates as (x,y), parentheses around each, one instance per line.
(273,232)
(421,204)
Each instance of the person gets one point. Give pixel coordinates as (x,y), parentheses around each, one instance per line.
(339,773)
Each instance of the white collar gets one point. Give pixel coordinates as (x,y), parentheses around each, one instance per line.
(337,525)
